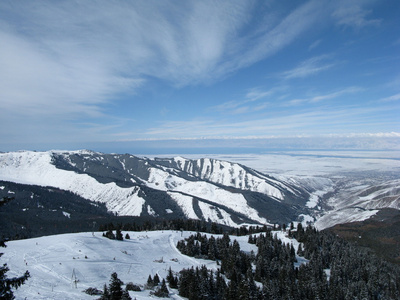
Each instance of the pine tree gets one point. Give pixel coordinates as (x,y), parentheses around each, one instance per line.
(150,282)
(118,235)
(125,295)
(173,282)
(156,280)
(115,287)
(162,291)
(7,284)
(106,293)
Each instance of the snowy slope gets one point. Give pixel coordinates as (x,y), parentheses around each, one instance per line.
(37,168)
(228,174)
(358,200)
(55,261)
(207,189)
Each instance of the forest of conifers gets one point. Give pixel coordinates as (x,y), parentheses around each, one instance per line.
(335,269)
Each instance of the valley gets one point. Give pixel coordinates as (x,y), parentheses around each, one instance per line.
(303,189)
(59,192)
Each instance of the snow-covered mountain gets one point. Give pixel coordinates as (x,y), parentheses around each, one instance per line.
(357,200)
(206,189)
(213,190)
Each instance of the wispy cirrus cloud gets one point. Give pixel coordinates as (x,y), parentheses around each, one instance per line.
(327,120)
(392,98)
(319,98)
(77,69)
(315,44)
(98,51)
(310,67)
(351,13)
(247,104)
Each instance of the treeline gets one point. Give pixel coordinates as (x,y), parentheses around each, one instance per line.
(159,224)
(333,269)
(152,224)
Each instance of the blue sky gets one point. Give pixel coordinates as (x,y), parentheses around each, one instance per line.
(125,76)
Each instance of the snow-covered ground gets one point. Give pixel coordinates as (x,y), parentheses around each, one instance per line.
(55,261)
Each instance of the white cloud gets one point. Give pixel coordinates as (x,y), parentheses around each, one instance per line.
(392,98)
(306,122)
(246,105)
(82,54)
(41,84)
(319,98)
(258,137)
(351,13)
(85,53)
(275,37)
(64,63)
(314,44)
(309,67)
(256,94)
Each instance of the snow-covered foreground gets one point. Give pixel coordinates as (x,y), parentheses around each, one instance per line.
(55,261)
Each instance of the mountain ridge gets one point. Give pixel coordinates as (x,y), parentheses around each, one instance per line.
(207,189)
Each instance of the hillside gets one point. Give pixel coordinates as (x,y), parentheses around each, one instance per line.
(53,260)
(297,264)
(207,189)
(380,233)
(45,184)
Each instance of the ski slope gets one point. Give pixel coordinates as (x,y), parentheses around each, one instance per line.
(55,262)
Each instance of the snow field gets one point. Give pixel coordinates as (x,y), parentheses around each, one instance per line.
(55,262)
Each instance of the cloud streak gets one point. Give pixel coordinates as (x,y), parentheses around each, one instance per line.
(290,123)
(247,104)
(319,98)
(309,67)
(350,13)
(81,55)
(84,70)
(392,98)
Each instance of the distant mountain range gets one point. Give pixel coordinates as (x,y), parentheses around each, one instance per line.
(207,189)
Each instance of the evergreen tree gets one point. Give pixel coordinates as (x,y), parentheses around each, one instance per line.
(125,295)
(115,287)
(162,291)
(118,235)
(106,293)
(172,280)
(150,282)
(7,284)
(156,280)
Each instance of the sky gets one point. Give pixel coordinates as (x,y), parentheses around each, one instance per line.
(159,76)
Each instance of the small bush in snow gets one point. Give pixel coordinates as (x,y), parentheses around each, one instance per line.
(132,287)
(93,291)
